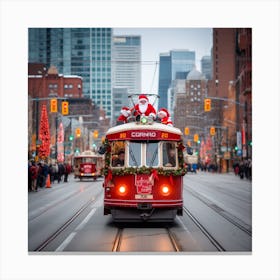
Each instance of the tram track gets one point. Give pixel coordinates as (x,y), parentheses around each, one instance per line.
(206,233)
(223,213)
(117,243)
(56,203)
(70,221)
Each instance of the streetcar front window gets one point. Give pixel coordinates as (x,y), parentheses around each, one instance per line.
(118,154)
(169,154)
(134,149)
(152,154)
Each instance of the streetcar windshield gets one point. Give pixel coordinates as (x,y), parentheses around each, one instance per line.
(134,154)
(152,154)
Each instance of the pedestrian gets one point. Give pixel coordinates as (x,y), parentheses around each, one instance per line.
(39,175)
(44,174)
(241,170)
(33,174)
(67,172)
(61,172)
(29,176)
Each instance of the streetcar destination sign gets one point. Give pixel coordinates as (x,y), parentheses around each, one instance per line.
(143,135)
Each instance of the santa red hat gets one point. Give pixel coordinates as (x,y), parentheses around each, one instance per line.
(164,112)
(125,111)
(143,97)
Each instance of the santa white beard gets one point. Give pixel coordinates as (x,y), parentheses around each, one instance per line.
(143,107)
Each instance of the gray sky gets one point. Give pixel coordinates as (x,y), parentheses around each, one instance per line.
(158,40)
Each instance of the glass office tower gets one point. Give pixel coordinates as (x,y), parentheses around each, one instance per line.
(85,52)
(172,66)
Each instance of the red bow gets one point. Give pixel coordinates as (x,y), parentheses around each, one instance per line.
(109,177)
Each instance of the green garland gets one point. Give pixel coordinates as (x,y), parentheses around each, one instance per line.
(144,170)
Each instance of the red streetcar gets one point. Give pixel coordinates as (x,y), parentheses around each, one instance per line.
(88,165)
(144,169)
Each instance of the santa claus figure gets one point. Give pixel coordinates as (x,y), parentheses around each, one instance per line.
(125,113)
(144,107)
(164,116)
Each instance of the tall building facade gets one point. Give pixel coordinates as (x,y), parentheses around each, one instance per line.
(164,78)
(206,66)
(173,65)
(189,110)
(126,70)
(231,92)
(85,52)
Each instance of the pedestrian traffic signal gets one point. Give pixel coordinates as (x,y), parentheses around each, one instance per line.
(212,130)
(64,108)
(196,138)
(187,131)
(207,104)
(78,132)
(53,105)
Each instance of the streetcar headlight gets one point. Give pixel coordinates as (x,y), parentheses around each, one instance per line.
(165,190)
(122,189)
(82,174)
(144,120)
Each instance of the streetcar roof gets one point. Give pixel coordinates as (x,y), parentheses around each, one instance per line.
(134,131)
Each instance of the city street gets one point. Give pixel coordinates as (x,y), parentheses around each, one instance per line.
(68,217)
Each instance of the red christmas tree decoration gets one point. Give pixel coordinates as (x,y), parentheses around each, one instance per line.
(44,134)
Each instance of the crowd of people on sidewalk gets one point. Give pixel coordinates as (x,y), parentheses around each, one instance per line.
(243,169)
(38,173)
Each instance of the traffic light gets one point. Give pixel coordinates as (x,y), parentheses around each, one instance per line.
(212,130)
(78,132)
(187,131)
(207,104)
(95,134)
(71,137)
(196,138)
(64,108)
(53,105)
(235,148)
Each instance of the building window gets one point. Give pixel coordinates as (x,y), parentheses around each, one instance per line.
(65,86)
(70,86)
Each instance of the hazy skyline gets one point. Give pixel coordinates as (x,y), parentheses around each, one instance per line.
(161,40)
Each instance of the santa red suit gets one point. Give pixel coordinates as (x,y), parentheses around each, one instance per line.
(164,116)
(125,113)
(144,107)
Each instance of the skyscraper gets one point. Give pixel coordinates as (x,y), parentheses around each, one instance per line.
(173,65)
(126,69)
(85,52)
(206,66)
(164,78)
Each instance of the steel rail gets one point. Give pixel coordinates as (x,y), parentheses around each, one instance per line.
(216,244)
(173,240)
(221,212)
(65,225)
(118,240)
